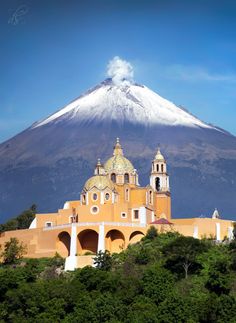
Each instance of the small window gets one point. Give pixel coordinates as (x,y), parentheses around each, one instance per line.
(113,177)
(126,178)
(126,194)
(83,199)
(94,209)
(136,214)
(162,168)
(157,168)
(123,215)
(48,224)
(150,197)
(95,196)
(107,196)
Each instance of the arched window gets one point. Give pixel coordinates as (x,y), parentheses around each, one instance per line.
(95,196)
(158,186)
(113,177)
(162,168)
(126,178)
(157,168)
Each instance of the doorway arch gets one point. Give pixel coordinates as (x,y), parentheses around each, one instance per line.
(136,236)
(63,244)
(115,241)
(87,241)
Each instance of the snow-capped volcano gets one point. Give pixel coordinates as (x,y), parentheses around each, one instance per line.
(121,103)
(49,162)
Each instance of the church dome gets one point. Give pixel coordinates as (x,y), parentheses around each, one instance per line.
(100,182)
(118,163)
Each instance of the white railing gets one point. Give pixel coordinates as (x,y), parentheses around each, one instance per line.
(87,224)
(60,226)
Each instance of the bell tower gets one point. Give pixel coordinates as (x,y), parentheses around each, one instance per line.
(159,179)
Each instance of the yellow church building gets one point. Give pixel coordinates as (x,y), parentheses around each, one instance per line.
(113,211)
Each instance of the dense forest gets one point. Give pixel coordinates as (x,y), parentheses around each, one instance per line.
(163,278)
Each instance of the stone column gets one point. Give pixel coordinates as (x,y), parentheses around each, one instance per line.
(101,238)
(218,231)
(195,232)
(71,261)
(230,233)
(73,240)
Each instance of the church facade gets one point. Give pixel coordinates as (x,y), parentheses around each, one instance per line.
(113,211)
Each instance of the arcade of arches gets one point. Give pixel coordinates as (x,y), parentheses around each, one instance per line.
(87,241)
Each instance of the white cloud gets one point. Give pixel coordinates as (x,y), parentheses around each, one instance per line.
(195,73)
(120,71)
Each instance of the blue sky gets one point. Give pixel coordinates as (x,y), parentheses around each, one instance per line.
(52,51)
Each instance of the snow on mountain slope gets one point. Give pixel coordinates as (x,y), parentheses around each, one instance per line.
(134,103)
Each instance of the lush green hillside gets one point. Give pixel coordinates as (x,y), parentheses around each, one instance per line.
(164,278)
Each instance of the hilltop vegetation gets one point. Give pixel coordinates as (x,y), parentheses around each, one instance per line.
(22,221)
(163,278)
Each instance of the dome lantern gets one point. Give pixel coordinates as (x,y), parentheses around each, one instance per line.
(119,169)
(117,148)
(99,169)
(159,155)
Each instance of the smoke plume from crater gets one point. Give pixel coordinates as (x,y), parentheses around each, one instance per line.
(120,71)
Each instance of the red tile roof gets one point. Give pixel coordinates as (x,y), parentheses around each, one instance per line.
(161,221)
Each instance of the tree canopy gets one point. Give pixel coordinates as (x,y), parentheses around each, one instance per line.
(147,282)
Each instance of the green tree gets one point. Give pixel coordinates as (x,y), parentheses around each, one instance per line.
(232,251)
(182,253)
(26,217)
(103,260)
(215,271)
(151,233)
(219,309)
(22,221)
(157,283)
(13,251)
(57,261)
(219,278)
(142,310)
